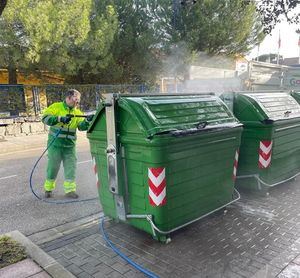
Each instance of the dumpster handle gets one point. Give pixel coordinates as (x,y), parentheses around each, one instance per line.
(264,183)
(155,228)
(201,125)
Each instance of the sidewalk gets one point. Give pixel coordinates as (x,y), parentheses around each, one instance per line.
(258,237)
(37,141)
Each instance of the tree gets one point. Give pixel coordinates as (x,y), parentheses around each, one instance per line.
(2,5)
(136,45)
(84,61)
(28,27)
(271,12)
(220,27)
(51,35)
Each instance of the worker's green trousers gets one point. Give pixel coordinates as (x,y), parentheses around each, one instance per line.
(56,155)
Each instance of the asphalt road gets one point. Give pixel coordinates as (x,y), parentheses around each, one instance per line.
(20,210)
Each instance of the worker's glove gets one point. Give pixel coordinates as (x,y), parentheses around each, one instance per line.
(64,120)
(89,118)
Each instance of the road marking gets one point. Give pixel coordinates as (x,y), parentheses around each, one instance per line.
(8,177)
(85,161)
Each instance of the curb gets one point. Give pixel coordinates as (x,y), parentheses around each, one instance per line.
(50,265)
(65,229)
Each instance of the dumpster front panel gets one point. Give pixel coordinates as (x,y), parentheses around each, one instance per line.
(285,155)
(252,136)
(198,177)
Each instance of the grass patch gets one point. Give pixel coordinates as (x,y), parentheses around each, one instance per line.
(10,251)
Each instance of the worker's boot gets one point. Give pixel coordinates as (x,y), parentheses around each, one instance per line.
(72,195)
(48,194)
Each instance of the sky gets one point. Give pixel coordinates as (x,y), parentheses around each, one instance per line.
(289,41)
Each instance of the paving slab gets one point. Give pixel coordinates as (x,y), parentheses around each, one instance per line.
(22,269)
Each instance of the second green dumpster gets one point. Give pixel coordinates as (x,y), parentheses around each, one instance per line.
(296,96)
(270,147)
(164,161)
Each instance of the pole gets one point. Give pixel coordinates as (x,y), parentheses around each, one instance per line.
(298,32)
(175,12)
(299,48)
(278,49)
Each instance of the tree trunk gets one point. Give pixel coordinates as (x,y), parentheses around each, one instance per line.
(12,74)
(2,5)
(81,77)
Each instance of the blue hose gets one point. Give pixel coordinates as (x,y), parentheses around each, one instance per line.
(123,256)
(31,175)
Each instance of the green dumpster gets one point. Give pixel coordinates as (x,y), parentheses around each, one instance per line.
(164,161)
(270,145)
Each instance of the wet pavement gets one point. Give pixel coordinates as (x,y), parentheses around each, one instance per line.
(259,236)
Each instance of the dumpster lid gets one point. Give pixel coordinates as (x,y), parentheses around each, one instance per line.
(163,114)
(276,106)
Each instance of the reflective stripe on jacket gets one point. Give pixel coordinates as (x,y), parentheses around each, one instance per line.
(67,135)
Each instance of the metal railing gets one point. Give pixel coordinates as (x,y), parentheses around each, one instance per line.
(30,100)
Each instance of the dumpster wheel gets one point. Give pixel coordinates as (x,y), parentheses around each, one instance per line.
(225,210)
(166,239)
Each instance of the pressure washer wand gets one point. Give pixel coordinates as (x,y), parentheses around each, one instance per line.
(76,116)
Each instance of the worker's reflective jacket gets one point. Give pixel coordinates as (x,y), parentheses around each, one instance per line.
(67,135)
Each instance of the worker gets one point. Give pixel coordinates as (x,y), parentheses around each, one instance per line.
(57,116)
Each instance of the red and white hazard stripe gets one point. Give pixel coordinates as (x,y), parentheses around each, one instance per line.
(96,172)
(235,164)
(157,186)
(265,154)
